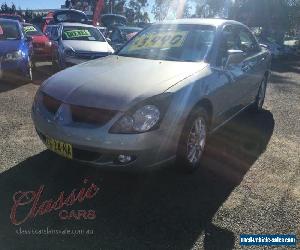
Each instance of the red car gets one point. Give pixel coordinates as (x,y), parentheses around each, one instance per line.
(42,46)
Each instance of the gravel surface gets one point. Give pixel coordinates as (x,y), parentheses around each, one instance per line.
(249,182)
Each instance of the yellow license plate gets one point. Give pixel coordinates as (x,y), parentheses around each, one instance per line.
(61,148)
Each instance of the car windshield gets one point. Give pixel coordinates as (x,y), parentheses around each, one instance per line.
(129,31)
(171,42)
(82,33)
(9,31)
(31,30)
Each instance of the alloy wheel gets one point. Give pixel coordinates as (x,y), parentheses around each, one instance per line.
(196,141)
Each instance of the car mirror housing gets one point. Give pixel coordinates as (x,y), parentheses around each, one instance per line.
(234,57)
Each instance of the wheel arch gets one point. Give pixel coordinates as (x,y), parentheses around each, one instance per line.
(267,74)
(208,106)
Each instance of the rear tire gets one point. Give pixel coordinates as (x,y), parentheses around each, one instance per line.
(260,98)
(193,141)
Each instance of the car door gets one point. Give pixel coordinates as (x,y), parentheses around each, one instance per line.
(251,65)
(228,96)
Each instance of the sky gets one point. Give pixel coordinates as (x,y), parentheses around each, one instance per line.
(35,4)
(38,4)
(50,4)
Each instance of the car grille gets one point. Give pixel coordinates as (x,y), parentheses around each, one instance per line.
(38,45)
(90,55)
(94,116)
(51,104)
(80,114)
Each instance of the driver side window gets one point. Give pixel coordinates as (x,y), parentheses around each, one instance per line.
(247,42)
(229,41)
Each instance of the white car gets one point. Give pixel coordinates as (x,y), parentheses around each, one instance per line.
(75,43)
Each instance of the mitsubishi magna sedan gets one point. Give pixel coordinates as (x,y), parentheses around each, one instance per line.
(157,99)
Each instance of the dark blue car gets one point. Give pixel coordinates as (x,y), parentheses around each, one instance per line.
(15,51)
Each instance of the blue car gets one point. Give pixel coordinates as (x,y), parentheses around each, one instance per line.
(15,51)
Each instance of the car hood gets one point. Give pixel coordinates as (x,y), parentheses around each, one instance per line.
(10,45)
(90,46)
(117,82)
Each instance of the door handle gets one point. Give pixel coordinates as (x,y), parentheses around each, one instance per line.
(262,59)
(245,67)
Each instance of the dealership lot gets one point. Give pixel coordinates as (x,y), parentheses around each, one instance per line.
(249,182)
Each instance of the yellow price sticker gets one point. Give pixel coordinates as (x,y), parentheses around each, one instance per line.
(29,29)
(159,40)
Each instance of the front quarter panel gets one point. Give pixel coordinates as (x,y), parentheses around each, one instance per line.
(204,85)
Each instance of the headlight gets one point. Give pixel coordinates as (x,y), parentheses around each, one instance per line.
(142,120)
(12,56)
(48,44)
(144,117)
(69,52)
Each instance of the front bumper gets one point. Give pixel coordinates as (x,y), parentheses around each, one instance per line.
(95,146)
(10,69)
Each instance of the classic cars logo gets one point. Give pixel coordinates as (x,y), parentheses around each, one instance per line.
(30,202)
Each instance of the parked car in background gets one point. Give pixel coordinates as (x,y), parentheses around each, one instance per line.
(50,29)
(119,35)
(292,41)
(12,17)
(42,46)
(103,30)
(157,99)
(15,50)
(293,44)
(65,15)
(277,50)
(74,43)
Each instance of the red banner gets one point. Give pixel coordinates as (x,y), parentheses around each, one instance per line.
(98,11)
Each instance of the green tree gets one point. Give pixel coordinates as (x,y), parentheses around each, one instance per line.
(178,9)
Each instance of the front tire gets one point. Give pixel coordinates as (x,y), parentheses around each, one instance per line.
(29,74)
(260,98)
(193,141)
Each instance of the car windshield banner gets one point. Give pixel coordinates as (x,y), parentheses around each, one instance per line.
(76,33)
(28,29)
(159,40)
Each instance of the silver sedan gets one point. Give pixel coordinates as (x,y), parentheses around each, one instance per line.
(157,99)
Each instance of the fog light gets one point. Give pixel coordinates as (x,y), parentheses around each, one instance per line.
(124,158)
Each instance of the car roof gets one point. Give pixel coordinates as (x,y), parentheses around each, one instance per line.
(67,10)
(201,21)
(129,27)
(9,20)
(76,24)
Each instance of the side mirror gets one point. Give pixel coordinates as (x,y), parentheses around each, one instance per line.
(263,45)
(108,40)
(234,57)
